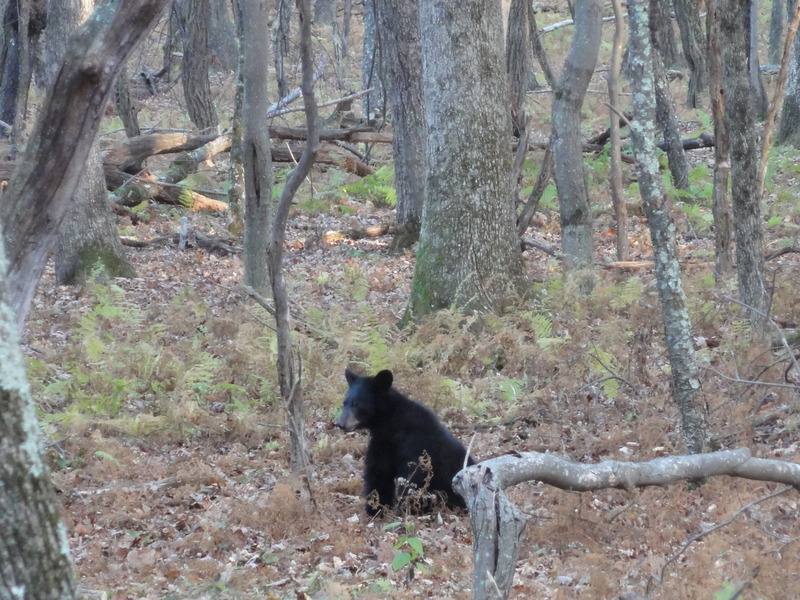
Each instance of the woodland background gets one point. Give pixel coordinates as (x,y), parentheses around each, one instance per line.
(160,400)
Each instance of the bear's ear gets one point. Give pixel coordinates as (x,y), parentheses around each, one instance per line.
(383,380)
(350,376)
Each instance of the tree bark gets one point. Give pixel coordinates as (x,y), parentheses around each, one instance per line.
(469,254)
(124,104)
(754,65)
(661,19)
(539,51)
(789,126)
(518,63)
(38,194)
(88,237)
(281,39)
(222,36)
(373,103)
(35,563)
(617,193)
(721,207)
(402,69)
(675,314)
(256,153)
(740,119)
(688,17)
(573,195)
(777,24)
(668,122)
(196,63)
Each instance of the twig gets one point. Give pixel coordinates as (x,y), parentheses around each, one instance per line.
(749,381)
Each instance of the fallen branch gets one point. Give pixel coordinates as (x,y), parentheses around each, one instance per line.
(498,525)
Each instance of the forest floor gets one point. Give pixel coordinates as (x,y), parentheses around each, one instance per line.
(159,395)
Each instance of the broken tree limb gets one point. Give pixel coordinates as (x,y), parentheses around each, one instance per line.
(498,526)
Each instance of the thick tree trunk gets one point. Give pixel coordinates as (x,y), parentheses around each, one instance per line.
(222,36)
(88,236)
(38,194)
(468,254)
(692,38)
(723,223)
(661,21)
(740,116)
(402,69)
(675,314)
(196,62)
(256,154)
(35,563)
(573,195)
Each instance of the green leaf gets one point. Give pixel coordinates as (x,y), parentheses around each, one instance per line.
(107,456)
(401,559)
(416,546)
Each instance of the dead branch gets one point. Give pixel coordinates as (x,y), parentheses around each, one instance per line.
(196,239)
(498,525)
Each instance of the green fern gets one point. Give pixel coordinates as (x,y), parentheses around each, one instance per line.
(627,294)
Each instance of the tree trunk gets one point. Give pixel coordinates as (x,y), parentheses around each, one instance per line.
(283,28)
(289,372)
(402,70)
(35,563)
(196,62)
(617,192)
(539,51)
(222,36)
(324,12)
(740,116)
(37,197)
(661,20)
(468,254)
(688,17)
(9,61)
(665,112)
(124,105)
(777,24)
(723,224)
(372,104)
(573,195)
(173,46)
(518,63)
(88,236)
(754,65)
(236,191)
(677,324)
(256,153)
(789,126)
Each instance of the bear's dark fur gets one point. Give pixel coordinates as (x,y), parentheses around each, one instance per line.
(401,433)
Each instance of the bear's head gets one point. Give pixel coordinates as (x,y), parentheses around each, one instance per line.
(363,400)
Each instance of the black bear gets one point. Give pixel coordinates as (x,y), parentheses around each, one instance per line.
(406,440)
